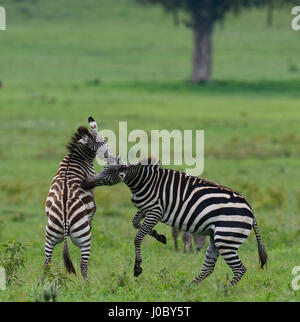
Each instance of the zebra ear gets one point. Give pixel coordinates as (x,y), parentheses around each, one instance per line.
(94,127)
(119,161)
(94,131)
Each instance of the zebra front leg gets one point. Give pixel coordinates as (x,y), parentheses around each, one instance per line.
(160,237)
(146,227)
(136,222)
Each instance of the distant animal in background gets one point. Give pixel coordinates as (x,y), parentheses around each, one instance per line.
(187,239)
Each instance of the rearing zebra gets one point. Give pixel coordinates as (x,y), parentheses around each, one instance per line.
(70,208)
(191,204)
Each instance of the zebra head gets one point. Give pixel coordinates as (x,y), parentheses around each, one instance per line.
(108,176)
(115,173)
(86,141)
(103,150)
(83,144)
(92,143)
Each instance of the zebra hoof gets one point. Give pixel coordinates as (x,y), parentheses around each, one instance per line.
(137,271)
(162,239)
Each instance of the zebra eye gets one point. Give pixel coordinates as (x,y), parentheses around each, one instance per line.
(122,176)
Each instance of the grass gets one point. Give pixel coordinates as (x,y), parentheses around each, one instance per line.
(118,62)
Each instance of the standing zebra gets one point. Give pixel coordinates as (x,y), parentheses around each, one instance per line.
(70,208)
(190,204)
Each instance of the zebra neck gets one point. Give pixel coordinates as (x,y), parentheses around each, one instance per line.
(85,156)
(140,177)
(84,167)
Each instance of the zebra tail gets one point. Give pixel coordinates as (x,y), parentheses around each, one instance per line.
(67,260)
(263,256)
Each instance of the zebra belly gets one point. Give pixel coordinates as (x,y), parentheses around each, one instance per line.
(208,230)
(240,221)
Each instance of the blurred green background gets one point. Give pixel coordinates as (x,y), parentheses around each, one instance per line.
(62,61)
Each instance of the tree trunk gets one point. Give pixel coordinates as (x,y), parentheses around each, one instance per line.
(270,14)
(202,56)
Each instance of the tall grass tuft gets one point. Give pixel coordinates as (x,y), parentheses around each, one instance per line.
(13,260)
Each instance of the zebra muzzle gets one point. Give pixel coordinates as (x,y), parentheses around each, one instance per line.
(87,184)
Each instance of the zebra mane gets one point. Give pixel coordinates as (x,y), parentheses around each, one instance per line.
(220,186)
(81,132)
(149,161)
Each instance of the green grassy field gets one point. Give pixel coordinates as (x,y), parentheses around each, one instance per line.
(60,63)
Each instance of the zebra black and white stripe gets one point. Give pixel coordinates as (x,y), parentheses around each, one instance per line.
(190,204)
(70,208)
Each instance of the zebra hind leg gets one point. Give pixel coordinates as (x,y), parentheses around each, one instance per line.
(187,239)
(85,249)
(46,263)
(208,266)
(81,237)
(199,241)
(228,243)
(85,254)
(50,243)
(175,233)
(233,261)
(53,237)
